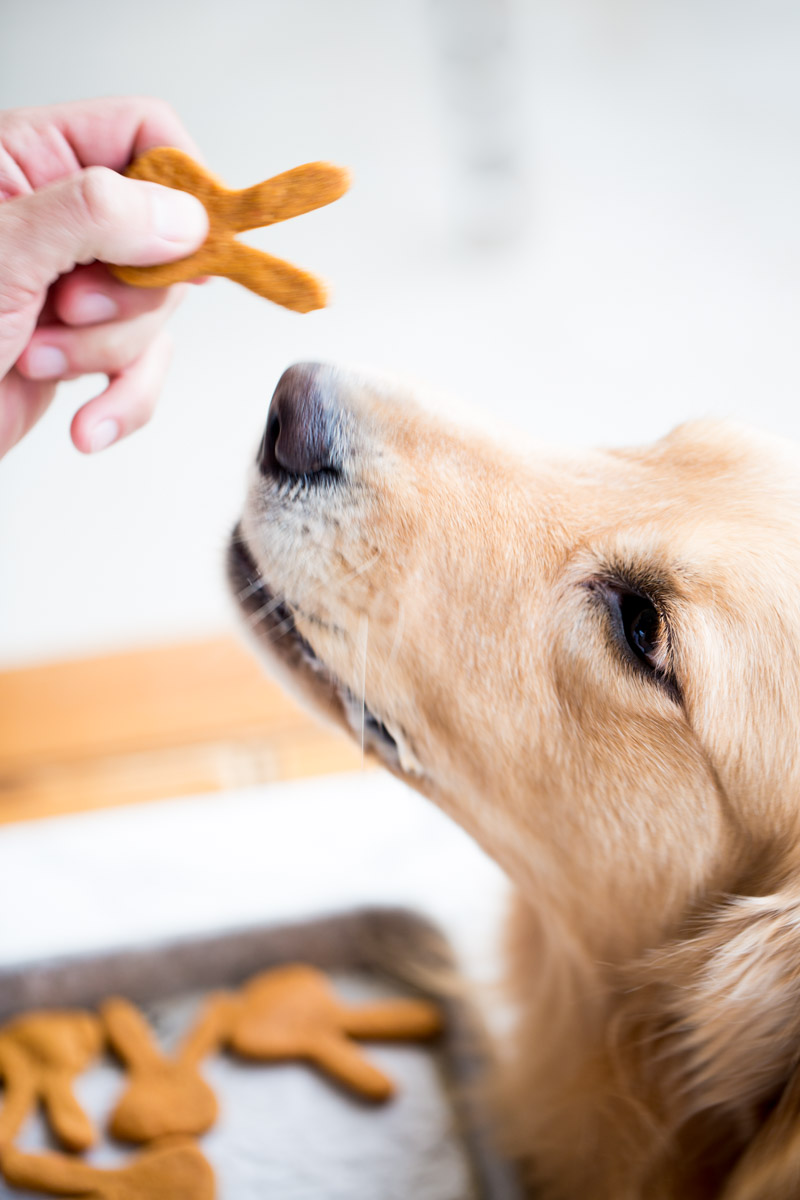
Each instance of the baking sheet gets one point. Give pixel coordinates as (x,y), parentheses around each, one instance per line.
(285,1130)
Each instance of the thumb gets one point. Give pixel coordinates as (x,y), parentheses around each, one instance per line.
(93,214)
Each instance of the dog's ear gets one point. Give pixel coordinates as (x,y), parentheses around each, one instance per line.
(717,1017)
(770,1167)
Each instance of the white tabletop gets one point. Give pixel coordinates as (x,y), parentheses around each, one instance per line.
(275,853)
(270,854)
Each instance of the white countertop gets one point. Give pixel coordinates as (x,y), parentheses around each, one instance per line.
(177,867)
(276,853)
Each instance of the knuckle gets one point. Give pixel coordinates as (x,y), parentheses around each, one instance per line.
(97,192)
(118,354)
(110,353)
(15,123)
(20,298)
(139,302)
(153,365)
(159,108)
(10,125)
(146,406)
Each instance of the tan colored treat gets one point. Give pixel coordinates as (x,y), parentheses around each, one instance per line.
(20,1091)
(211,1027)
(175,1171)
(293,1013)
(164,1096)
(229,212)
(40,1055)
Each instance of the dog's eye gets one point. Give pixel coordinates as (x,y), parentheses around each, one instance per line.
(640,630)
(641,627)
(638,625)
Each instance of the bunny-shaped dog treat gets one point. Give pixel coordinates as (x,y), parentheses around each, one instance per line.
(292,1012)
(164,1095)
(40,1055)
(171,1171)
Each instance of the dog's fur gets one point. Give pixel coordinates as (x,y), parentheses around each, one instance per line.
(648,816)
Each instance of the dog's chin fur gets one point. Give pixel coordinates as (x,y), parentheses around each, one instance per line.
(453,602)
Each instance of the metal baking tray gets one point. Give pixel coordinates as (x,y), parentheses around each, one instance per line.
(285,1132)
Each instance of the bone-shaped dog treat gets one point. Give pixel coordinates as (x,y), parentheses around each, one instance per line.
(173,1171)
(40,1055)
(229,212)
(293,1013)
(164,1095)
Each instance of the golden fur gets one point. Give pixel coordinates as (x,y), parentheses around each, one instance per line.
(652,828)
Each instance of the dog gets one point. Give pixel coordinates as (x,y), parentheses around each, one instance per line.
(590,661)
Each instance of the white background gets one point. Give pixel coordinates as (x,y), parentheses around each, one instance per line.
(637,263)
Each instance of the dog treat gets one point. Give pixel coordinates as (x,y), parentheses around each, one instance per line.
(229,212)
(164,1095)
(19,1090)
(173,1171)
(284,1014)
(40,1055)
(293,1013)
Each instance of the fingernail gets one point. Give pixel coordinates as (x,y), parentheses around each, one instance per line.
(179,217)
(46,362)
(104,434)
(93,307)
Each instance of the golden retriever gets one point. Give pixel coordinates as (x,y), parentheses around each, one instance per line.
(592,662)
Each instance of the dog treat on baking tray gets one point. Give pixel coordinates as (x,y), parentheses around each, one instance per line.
(40,1055)
(229,212)
(293,1013)
(171,1171)
(284,1014)
(164,1096)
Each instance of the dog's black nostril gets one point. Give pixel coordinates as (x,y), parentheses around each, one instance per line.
(267,456)
(303,431)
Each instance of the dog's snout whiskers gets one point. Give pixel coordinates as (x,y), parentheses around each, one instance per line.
(257,585)
(363,636)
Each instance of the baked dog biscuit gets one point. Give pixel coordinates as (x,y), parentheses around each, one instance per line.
(164,1096)
(293,1013)
(171,1171)
(229,212)
(40,1055)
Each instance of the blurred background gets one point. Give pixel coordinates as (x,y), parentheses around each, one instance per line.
(581,215)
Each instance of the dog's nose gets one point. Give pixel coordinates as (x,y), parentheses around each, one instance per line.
(301,433)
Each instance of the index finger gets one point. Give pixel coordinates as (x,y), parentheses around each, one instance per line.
(51,142)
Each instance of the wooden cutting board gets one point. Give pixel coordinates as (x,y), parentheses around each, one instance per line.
(142,725)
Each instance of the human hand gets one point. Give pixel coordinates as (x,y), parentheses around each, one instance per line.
(62,315)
